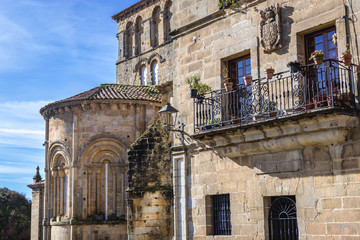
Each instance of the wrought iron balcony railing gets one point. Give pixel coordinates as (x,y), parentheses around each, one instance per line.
(312,88)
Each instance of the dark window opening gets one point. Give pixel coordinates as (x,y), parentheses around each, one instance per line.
(282,219)
(221,214)
(238,68)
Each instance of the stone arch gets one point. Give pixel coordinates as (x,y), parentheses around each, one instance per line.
(128,36)
(154,70)
(106,145)
(139,77)
(59,179)
(56,151)
(155,23)
(104,164)
(138,35)
(167,14)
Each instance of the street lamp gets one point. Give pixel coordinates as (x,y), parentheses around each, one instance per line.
(166,119)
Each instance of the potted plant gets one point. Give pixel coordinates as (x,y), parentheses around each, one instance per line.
(228,85)
(294,66)
(247,80)
(270,106)
(346,56)
(212,123)
(317,56)
(197,88)
(269,72)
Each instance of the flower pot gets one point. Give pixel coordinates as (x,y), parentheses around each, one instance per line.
(294,67)
(346,58)
(248,80)
(310,105)
(318,60)
(273,114)
(228,86)
(193,93)
(269,73)
(320,101)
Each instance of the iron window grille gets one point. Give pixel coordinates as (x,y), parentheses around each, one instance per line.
(282,219)
(221,214)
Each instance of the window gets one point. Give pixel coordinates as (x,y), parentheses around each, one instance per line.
(167,17)
(128,40)
(155,27)
(143,74)
(238,68)
(155,72)
(319,80)
(138,35)
(282,218)
(221,214)
(321,40)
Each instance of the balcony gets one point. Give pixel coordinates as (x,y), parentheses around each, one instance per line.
(288,94)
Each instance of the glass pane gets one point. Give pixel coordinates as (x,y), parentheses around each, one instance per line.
(240,72)
(330,34)
(319,47)
(331,45)
(318,39)
(240,64)
(241,80)
(248,70)
(247,61)
(332,54)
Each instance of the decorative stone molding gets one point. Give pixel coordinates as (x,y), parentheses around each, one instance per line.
(270,28)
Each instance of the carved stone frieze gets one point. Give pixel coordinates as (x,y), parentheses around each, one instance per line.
(270,28)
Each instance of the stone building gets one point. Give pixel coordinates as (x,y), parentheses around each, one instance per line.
(264,157)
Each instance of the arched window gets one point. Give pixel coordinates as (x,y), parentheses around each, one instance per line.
(138,35)
(155,27)
(167,16)
(60,186)
(128,40)
(143,74)
(282,218)
(155,72)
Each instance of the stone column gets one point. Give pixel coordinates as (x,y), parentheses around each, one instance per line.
(61,202)
(54,174)
(37,206)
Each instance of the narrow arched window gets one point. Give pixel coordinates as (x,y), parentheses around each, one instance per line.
(155,27)
(155,72)
(128,40)
(167,16)
(143,74)
(138,35)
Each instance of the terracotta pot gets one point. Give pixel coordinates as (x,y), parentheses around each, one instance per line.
(248,80)
(228,86)
(318,60)
(269,73)
(273,114)
(320,101)
(310,105)
(346,58)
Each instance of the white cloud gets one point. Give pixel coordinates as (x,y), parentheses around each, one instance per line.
(21,124)
(11,170)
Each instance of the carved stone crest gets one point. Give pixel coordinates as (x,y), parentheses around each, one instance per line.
(270,28)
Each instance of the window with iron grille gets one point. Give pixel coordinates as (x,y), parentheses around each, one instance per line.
(221,214)
(282,219)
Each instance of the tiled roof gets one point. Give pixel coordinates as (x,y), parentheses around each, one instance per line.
(114,92)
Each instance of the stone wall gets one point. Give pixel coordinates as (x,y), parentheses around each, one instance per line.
(37,210)
(86,141)
(128,70)
(322,173)
(150,186)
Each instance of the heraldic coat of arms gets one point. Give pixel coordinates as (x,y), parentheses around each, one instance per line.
(270,28)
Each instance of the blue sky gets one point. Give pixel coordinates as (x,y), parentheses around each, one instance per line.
(49,50)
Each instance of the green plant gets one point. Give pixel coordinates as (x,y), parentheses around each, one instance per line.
(195,83)
(291,63)
(347,51)
(213,121)
(269,105)
(220,4)
(317,54)
(268,67)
